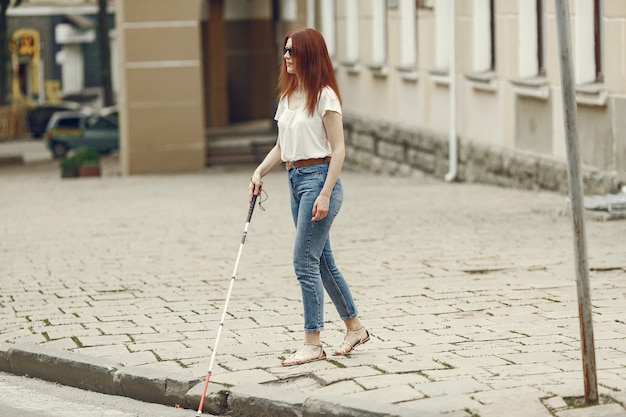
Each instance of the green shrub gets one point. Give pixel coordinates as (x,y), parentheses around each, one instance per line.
(87,156)
(69,163)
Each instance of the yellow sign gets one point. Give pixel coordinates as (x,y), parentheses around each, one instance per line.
(24,43)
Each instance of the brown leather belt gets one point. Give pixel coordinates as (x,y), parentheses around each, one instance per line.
(305,163)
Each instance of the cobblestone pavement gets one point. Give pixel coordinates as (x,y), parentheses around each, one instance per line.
(469,291)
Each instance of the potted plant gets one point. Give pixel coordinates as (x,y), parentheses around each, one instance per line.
(69,167)
(88,162)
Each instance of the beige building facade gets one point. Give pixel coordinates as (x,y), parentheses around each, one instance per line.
(466,89)
(187,66)
(501,76)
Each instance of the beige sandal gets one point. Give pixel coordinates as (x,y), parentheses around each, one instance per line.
(347,346)
(299,357)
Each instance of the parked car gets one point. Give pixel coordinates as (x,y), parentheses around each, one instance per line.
(71,129)
(39,116)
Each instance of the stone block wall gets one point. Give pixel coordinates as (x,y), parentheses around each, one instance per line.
(383,147)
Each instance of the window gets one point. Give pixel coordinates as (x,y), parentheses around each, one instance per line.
(328,30)
(531,50)
(597,38)
(408,34)
(443,29)
(69,122)
(379,34)
(588,38)
(352,32)
(311,13)
(541,64)
(484,36)
(96,122)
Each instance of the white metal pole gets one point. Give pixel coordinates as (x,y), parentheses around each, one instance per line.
(453,149)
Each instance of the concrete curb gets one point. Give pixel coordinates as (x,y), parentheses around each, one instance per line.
(95,374)
(149,385)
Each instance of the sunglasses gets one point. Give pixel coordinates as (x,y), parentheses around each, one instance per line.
(290,50)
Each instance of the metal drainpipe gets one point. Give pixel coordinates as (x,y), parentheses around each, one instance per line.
(453,151)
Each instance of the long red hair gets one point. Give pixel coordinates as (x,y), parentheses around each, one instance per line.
(314,67)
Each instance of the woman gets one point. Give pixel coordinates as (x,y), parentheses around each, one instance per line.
(311,143)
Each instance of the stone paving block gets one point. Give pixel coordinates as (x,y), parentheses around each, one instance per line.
(382,381)
(250,349)
(460,386)
(273,336)
(175,367)
(335,375)
(568,384)
(534,357)
(528,369)
(529,394)
(335,406)
(254,376)
(512,408)
(454,374)
(130,330)
(612,384)
(389,394)
(361,358)
(568,365)
(602,410)
(341,388)
(554,403)
(63,344)
(468,351)
(133,359)
(479,362)
(401,365)
(102,340)
(166,349)
(158,337)
(239,363)
(445,404)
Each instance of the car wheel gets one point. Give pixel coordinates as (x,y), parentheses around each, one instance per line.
(59,150)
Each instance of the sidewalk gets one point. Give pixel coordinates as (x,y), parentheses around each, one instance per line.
(468,291)
(23,151)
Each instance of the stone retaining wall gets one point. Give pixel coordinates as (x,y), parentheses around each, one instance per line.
(383,147)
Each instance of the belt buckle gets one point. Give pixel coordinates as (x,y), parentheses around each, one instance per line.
(289,165)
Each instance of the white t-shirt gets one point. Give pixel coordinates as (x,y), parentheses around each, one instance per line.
(302,136)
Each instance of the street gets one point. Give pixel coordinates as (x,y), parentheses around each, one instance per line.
(28,397)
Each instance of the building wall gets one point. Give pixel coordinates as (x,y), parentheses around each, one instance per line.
(397,116)
(44,20)
(161,98)
(509,125)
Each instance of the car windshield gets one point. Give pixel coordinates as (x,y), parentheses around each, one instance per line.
(97,122)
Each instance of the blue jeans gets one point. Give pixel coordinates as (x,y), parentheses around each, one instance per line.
(312,256)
